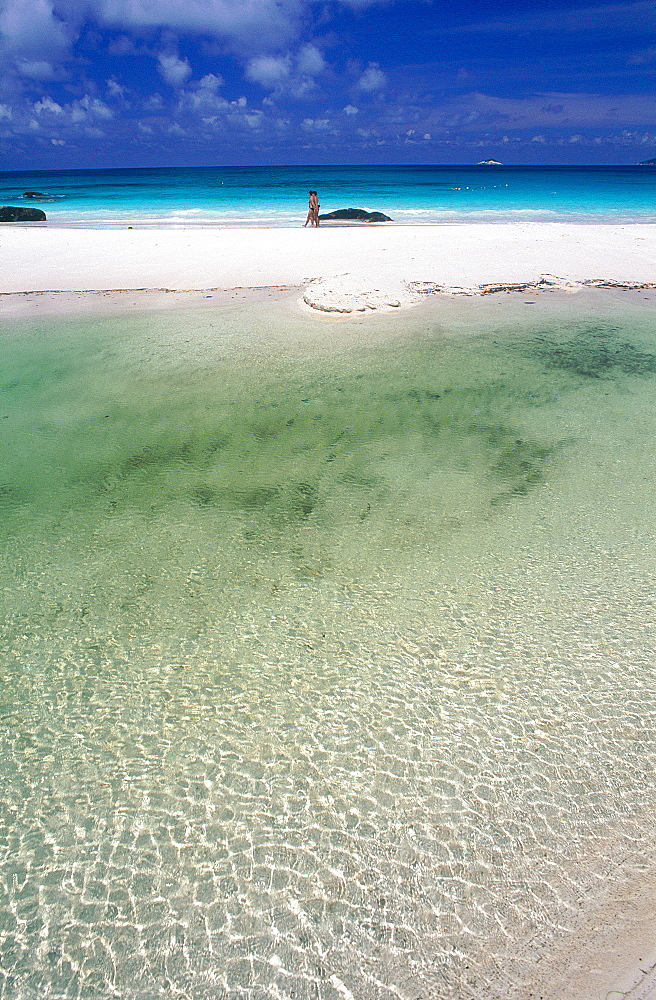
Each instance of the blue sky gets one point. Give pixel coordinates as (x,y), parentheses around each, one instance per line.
(191,82)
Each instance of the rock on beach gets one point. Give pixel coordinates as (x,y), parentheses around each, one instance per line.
(354,215)
(9,213)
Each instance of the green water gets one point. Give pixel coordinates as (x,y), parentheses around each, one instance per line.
(327,647)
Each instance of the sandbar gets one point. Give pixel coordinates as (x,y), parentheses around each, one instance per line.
(338,271)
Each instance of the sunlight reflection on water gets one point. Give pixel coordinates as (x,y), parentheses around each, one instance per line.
(327,656)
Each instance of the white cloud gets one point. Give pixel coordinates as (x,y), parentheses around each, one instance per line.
(270,71)
(245,23)
(372,79)
(116,89)
(58,142)
(210,83)
(292,74)
(36,69)
(350,109)
(5,111)
(47,104)
(29,28)
(204,98)
(89,107)
(316,124)
(122,46)
(309,61)
(173,69)
(37,36)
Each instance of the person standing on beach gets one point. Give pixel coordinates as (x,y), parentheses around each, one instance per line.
(313,210)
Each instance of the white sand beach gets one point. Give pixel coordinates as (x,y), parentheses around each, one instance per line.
(340,269)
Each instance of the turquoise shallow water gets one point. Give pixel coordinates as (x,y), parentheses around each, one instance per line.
(327,649)
(266,196)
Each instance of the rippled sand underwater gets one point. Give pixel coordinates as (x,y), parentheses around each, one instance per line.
(328,648)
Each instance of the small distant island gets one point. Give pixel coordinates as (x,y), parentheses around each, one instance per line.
(489,163)
(648,163)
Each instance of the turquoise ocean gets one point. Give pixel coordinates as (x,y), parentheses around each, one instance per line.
(266,196)
(327,648)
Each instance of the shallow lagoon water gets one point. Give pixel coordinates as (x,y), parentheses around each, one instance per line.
(328,646)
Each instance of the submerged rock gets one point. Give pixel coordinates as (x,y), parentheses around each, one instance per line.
(36,194)
(355,215)
(8,213)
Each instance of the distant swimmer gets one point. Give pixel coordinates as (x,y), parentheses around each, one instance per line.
(313,210)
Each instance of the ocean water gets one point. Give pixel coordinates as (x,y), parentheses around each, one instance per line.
(277,196)
(327,649)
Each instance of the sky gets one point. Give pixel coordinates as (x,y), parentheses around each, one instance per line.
(101,83)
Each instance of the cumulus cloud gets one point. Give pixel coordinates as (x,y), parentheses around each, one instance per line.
(309,61)
(89,107)
(316,124)
(47,104)
(37,69)
(37,36)
(245,23)
(210,83)
(372,79)
(30,31)
(173,69)
(270,71)
(203,97)
(293,73)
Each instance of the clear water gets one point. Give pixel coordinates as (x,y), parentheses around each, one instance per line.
(265,196)
(327,649)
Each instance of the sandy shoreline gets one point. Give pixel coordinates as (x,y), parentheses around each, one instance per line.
(340,270)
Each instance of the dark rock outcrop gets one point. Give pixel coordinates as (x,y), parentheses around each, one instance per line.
(10,214)
(354,215)
(36,194)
